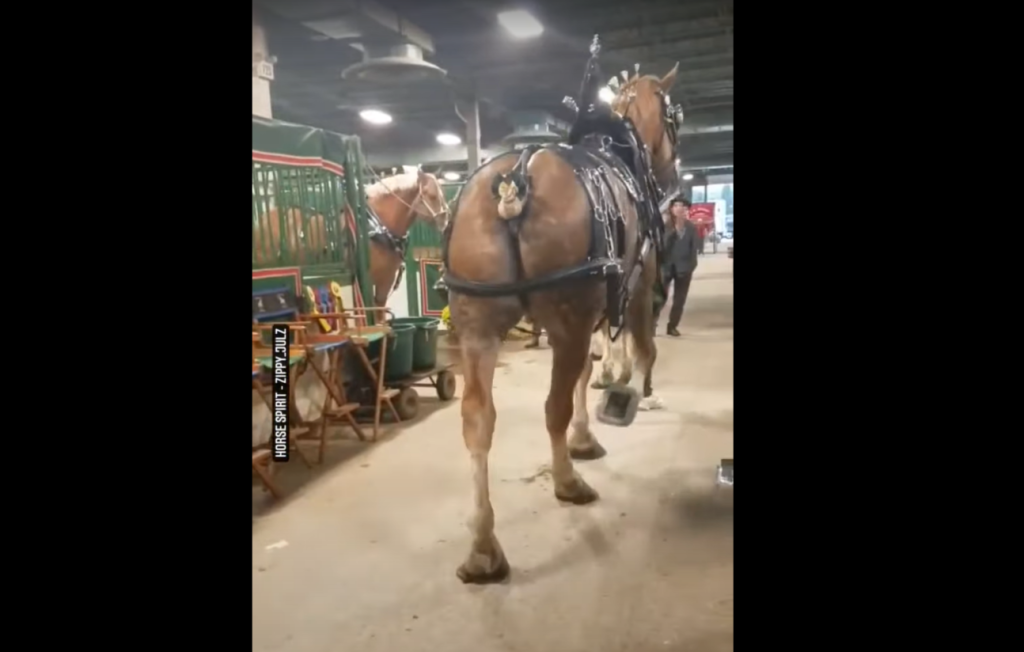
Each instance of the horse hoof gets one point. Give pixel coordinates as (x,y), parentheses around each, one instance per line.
(594,451)
(472,572)
(577,493)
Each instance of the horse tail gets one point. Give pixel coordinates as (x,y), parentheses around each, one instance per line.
(512,188)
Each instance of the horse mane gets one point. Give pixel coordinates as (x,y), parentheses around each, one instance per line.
(398,183)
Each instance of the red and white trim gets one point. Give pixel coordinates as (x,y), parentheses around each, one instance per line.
(298,161)
(282,272)
(423,287)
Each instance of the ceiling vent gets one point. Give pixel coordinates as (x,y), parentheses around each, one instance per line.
(398,64)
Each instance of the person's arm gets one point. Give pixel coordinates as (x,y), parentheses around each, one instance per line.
(670,234)
(694,244)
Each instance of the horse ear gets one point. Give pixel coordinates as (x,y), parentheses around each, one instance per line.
(666,82)
(420,174)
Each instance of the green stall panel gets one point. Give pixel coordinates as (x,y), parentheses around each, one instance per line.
(308,205)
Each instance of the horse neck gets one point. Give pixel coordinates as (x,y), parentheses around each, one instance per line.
(395,211)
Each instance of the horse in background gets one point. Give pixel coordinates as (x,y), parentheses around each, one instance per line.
(304,244)
(521,241)
(394,204)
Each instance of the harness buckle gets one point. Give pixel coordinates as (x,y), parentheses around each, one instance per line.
(611,268)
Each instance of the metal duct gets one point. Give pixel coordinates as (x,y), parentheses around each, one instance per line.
(534,127)
(352,20)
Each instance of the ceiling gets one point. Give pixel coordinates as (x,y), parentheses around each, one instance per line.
(506,74)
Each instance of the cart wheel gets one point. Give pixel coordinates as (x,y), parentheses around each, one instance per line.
(407,403)
(445,385)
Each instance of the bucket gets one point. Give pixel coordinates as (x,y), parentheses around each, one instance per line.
(424,341)
(399,362)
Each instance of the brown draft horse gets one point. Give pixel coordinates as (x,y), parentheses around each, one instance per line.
(397,201)
(554,235)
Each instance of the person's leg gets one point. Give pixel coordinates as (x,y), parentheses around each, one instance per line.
(676,313)
(666,285)
(681,288)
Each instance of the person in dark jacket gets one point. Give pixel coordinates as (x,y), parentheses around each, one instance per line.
(681,242)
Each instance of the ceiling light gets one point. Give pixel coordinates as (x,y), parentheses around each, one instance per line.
(375,117)
(452,176)
(606,95)
(688,177)
(520,24)
(449,139)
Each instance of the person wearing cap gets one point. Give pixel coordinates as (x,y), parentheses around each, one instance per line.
(681,243)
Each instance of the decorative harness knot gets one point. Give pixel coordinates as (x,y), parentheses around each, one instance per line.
(510,191)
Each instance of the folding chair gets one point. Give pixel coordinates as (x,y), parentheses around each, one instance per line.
(360,336)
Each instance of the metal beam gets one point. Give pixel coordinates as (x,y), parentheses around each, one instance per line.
(608,15)
(687,65)
(661,32)
(710,46)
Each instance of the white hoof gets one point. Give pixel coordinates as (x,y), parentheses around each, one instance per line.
(650,403)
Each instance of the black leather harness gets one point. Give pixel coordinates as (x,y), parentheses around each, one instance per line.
(381,234)
(607,153)
(604,150)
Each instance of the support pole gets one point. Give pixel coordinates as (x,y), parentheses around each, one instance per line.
(471,112)
(260,86)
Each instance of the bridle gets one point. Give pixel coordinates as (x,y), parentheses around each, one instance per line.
(432,215)
(399,244)
(671,118)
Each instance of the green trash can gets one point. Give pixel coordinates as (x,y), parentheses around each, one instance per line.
(399,362)
(424,348)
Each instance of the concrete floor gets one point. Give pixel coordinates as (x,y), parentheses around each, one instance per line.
(362,555)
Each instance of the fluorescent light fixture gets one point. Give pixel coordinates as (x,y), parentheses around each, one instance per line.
(452,176)
(606,95)
(688,177)
(449,139)
(375,117)
(520,24)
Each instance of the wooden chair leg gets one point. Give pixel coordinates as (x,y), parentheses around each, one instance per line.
(297,448)
(322,434)
(379,398)
(393,410)
(340,384)
(355,427)
(261,465)
(298,428)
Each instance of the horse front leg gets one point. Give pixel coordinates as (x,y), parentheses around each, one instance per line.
(604,339)
(582,443)
(645,350)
